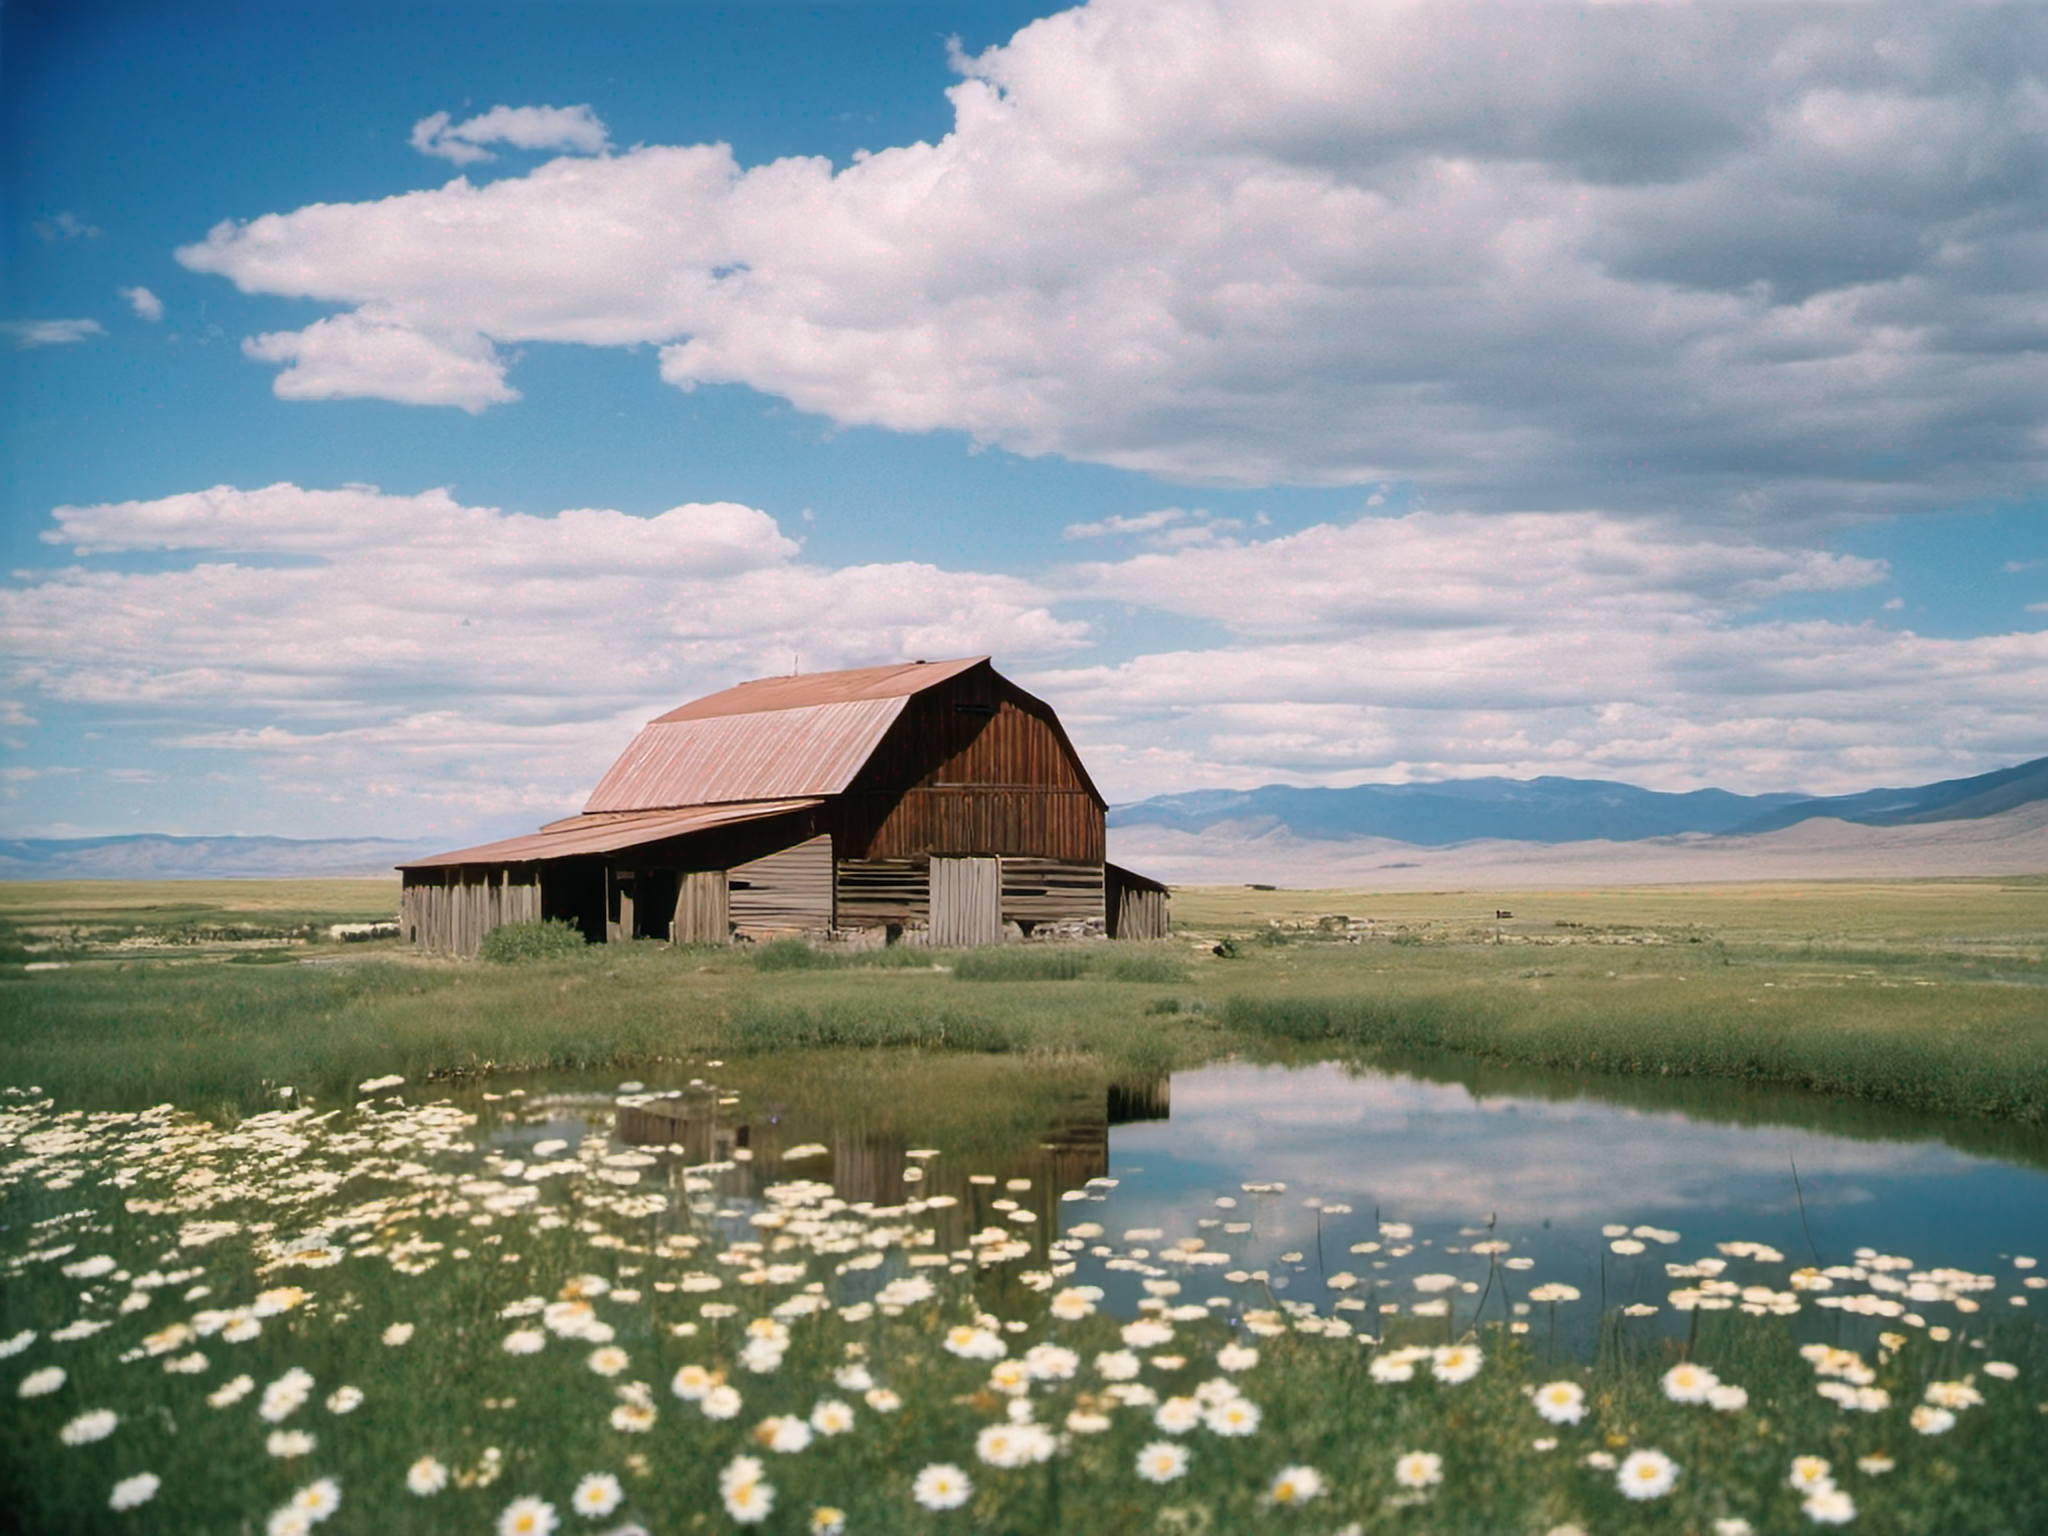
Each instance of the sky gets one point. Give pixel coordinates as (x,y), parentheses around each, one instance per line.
(402,404)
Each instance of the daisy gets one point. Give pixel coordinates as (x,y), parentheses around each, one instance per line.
(747,1498)
(831,1417)
(18,1343)
(1074,1303)
(975,1344)
(634,1418)
(131,1491)
(882,1400)
(597,1496)
(1051,1362)
(1829,1506)
(344,1399)
(397,1334)
(1117,1365)
(525,1341)
(1419,1469)
(1811,1472)
(1457,1362)
(942,1486)
(1689,1383)
(1236,1357)
(1561,1402)
(784,1433)
(288,1522)
(318,1499)
(827,1521)
(1234,1417)
(1178,1415)
(528,1516)
(1931,1421)
(1723,1397)
(227,1394)
(43,1382)
(96,1424)
(692,1382)
(1162,1462)
(287,1443)
(608,1361)
(1876,1464)
(1647,1475)
(426,1476)
(1296,1485)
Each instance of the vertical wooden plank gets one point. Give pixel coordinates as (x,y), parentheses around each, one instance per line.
(703,908)
(967,902)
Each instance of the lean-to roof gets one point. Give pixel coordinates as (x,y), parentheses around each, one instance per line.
(608,834)
(773,738)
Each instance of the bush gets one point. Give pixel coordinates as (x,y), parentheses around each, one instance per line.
(549,939)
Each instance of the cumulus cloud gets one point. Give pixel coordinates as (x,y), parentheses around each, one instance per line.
(53,333)
(412,646)
(1450,645)
(1740,260)
(356,355)
(470,661)
(147,306)
(576,129)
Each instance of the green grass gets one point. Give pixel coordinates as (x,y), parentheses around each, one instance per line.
(1916,997)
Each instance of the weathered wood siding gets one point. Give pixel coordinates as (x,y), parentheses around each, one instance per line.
(1136,907)
(448,911)
(787,892)
(967,902)
(873,893)
(702,910)
(1042,891)
(973,767)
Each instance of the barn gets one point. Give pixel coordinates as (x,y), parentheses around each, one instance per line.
(935,801)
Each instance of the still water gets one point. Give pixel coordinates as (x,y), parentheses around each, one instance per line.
(1328,1183)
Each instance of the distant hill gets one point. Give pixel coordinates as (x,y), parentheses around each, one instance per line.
(1988,794)
(1563,810)
(153,856)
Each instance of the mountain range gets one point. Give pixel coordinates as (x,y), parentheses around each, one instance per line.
(1283,831)
(1563,810)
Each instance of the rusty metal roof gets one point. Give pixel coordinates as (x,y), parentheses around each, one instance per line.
(608,834)
(804,690)
(771,739)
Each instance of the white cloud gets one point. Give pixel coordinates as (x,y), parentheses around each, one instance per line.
(147,306)
(355,355)
(53,333)
(410,651)
(1736,261)
(416,650)
(576,129)
(1440,645)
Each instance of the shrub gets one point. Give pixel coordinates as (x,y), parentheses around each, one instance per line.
(549,939)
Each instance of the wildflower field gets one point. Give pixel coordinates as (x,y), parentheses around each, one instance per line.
(403,1312)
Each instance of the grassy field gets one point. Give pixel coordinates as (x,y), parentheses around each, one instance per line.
(1927,996)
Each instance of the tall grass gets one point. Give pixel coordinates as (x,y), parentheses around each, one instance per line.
(1888,1056)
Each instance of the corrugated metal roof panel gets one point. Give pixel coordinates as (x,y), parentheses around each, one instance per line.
(803,690)
(814,750)
(608,834)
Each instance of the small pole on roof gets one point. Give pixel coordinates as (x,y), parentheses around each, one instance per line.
(794,666)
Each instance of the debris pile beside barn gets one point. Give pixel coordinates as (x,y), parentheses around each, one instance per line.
(931,802)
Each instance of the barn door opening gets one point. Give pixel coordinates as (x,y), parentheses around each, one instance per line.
(703,912)
(967,902)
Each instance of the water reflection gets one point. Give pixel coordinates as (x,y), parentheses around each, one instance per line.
(1298,1172)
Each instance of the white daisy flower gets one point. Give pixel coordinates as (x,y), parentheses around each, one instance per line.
(942,1486)
(1162,1462)
(1646,1475)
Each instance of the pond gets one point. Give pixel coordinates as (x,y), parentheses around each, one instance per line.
(905,1293)
(1293,1170)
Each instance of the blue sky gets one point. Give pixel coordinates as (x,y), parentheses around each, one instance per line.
(1289,392)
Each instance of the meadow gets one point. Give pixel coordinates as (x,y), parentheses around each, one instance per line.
(285,1238)
(1922,996)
